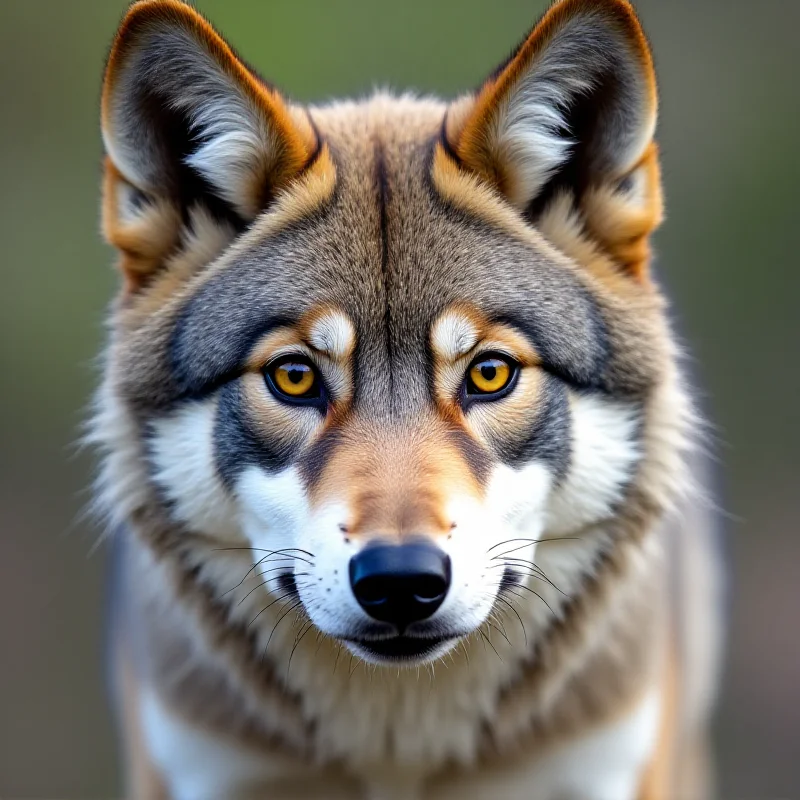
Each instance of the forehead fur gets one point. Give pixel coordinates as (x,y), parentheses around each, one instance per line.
(392,250)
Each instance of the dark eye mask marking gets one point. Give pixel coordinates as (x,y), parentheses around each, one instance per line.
(314,460)
(582,369)
(549,435)
(238,443)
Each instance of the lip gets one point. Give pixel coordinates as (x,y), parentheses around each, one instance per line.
(400,648)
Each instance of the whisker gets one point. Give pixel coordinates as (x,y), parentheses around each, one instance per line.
(259,562)
(466,652)
(246,575)
(353,668)
(493,616)
(297,641)
(511,541)
(264,550)
(283,552)
(502,633)
(518,562)
(528,542)
(537,573)
(528,589)
(275,626)
(286,594)
(338,653)
(281,567)
(545,579)
(264,583)
(521,623)
(486,638)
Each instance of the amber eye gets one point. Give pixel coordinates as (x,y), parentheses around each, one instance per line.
(489,375)
(293,379)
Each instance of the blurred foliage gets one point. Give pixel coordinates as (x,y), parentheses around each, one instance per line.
(730,123)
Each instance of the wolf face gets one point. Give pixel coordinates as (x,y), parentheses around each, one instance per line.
(394,369)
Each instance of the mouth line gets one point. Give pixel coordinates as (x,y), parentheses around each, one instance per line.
(400,648)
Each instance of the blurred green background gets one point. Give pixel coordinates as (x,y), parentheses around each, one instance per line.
(728,253)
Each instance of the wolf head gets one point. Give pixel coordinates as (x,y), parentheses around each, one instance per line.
(397,366)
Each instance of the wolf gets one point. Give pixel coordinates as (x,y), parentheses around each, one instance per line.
(397,454)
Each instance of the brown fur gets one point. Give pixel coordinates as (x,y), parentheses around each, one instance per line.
(359,196)
(595,699)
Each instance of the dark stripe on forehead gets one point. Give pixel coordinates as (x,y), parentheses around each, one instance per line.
(549,436)
(382,181)
(237,442)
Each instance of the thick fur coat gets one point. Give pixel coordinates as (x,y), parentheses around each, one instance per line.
(403,326)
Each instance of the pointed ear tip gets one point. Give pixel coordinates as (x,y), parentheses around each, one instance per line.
(617,7)
(139,14)
(622,15)
(622,11)
(142,12)
(559,13)
(142,9)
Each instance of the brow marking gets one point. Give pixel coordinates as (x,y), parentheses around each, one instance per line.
(453,335)
(332,333)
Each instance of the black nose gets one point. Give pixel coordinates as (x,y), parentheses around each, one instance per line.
(400,584)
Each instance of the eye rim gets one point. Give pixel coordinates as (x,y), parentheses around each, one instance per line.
(472,394)
(319,397)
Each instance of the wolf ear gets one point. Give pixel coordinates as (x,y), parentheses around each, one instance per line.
(188,126)
(566,126)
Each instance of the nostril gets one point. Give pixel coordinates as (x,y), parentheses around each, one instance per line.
(428,588)
(370,591)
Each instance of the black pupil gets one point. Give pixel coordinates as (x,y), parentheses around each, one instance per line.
(489,372)
(295,373)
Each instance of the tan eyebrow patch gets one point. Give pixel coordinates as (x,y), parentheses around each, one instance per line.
(332,333)
(458,334)
(325,336)
(454,334)
(277,342)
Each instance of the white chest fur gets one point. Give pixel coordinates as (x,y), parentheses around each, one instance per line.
(604,764)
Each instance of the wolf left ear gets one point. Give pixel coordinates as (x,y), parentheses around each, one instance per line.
(564,129)
(190,132)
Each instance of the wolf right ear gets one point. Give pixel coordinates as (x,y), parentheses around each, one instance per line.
(188,127)
(566,125)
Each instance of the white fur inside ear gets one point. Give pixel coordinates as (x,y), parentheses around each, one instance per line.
(605,452)
(239,149)
(237,145)
(529,130)
(182,455)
